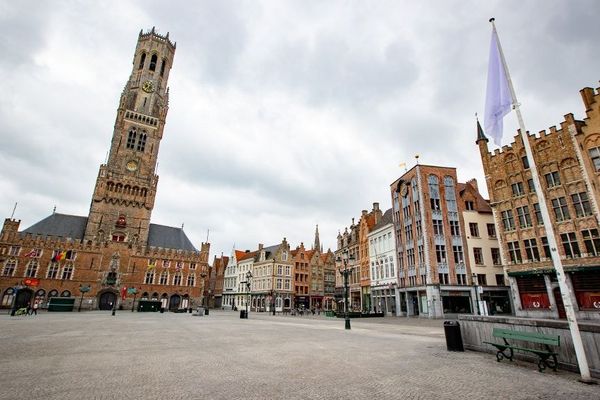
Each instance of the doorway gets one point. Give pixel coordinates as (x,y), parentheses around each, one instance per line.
(560,307)
(174,303)
(23,298)
(107,299)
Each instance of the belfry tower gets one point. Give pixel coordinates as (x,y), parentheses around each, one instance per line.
(125,189)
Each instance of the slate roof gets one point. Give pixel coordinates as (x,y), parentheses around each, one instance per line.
(69,226)
(385,219)
(169,237)
(73,226)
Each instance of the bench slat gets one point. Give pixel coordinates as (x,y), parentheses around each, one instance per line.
(534,337)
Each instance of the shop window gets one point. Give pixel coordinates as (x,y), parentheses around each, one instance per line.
(532,290)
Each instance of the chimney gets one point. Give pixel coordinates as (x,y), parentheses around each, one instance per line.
(260,246)
(364,212)
(587,95)
(375,206)
(473,182)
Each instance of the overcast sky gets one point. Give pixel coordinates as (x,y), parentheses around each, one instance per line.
(283,114)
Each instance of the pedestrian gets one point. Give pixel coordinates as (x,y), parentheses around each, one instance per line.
(35,308)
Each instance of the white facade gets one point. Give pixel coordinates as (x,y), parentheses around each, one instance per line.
(230,279)
(383,270)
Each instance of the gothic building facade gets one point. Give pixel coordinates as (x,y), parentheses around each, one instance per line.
(114,252)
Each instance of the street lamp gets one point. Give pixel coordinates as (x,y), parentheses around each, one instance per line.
(248,283)
(345,273)
(83,290)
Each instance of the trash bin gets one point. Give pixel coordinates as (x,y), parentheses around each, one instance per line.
(162,310)
(243,314)
(453,338)
(190,310)
(206,311)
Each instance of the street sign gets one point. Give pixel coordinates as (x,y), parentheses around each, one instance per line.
(31,282)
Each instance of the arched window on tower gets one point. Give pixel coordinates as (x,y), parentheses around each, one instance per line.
(162,67)
(141,145)
(131,139)
(142,61)
(153,62)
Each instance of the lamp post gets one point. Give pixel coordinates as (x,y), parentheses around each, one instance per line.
(83,290)
(248,284)
(273,301)
(134,292)
(202,275)
(474,278)
(345,273)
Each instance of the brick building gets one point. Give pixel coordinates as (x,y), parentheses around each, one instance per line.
(430,244)
(568,163)
(114,247)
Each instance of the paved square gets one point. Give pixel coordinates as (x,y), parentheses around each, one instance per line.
(180,356)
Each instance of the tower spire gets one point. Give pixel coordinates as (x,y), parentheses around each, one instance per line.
(317,244)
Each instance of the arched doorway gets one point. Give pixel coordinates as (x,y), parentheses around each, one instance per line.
(107,299)
(174,303)
(23,298)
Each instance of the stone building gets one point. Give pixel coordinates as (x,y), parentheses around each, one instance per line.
(367,221)
(492,293)
(430,244)
(568,163)
(301,258)
(115,250)
(348,242)
(217,280)
(272,278)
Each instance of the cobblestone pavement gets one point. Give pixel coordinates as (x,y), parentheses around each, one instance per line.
(179,356)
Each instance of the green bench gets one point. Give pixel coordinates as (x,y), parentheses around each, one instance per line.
(547,355)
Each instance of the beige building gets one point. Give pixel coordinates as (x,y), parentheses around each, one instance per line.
(492,293)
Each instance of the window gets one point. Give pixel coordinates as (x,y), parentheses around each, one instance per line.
(570,246)
(524,217)
(454,228)
(131,139)
(280,270)
(478,255)
(164,278)
(191,280)
(508,221)
(279,283)
(595,156)
(531,250)
(491,230)
(517,189)
(149,279)
(444,279)
(287,270)
(52,271)
(458,254)
(500,279)
(8,297)
(177,279)
(14,250)
(192,265)
(440,253)
(530,185)
(514,251)
(474,229)
(538,214)
(67,272)
(561,212)
(162,67)
(284,256)
(582,204)
(469,206)
(461,279)
(141,144)
(438,227)
(118,238)
(32,268)
(552,179)
(591,241)
(481,279)
(546,247)
(153,62)
(142,61)
(434,192)
(525,162)
(9,268)
(496,256)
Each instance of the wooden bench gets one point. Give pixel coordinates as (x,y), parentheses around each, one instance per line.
(547,356)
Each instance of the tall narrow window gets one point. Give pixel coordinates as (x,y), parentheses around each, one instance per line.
(491,230)
(32,268)
(582,204)
(434,192)
(595,156)
(191,280)
(162,67)
(142,61)
(67,272)
(474,229)
(591,241)
(131,139)
(538,214)
(524,217)
(560,208)
(496,256)
(508,222)
(517,189)
(514,251)
(531,250)
(440,253)
(546,247)
(141,144)
(153,62)
(552,179)
(478,255)
(149,280)
(9,268)
(52,271)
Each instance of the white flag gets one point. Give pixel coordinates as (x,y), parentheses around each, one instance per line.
(498,100)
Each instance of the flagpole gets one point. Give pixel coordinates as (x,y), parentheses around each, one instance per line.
(565,290)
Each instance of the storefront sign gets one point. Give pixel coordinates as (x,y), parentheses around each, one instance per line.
(588,300)
(535,301)
(31,282)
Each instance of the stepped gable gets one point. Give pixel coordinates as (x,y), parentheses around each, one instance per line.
(169,237)
(71,226)
(385,220)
